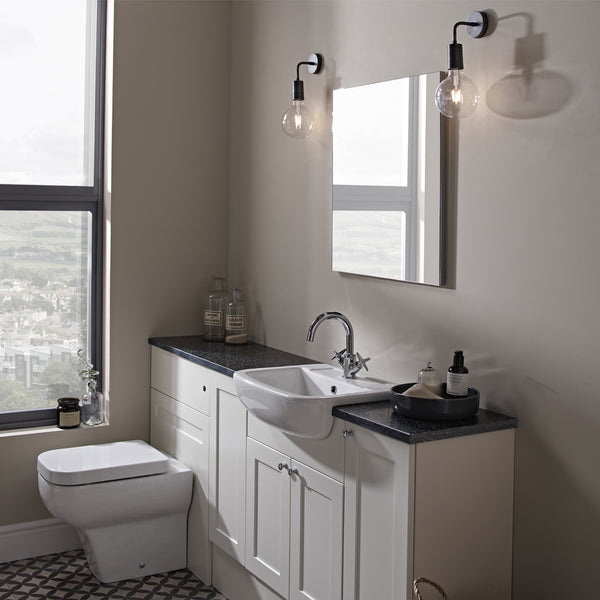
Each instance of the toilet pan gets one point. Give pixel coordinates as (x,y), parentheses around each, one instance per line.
(127,501)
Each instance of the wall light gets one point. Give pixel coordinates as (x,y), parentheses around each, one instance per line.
(298,120)
(457,96)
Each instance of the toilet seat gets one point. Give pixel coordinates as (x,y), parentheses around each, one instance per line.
(101,462)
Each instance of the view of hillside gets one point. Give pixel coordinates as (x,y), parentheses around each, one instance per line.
(43,305)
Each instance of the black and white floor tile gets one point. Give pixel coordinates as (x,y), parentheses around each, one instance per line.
(67,576)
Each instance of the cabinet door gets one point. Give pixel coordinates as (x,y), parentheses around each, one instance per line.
(227,521)
(378,517)
(316,521)
(268,516)
(463,514)
(183,433)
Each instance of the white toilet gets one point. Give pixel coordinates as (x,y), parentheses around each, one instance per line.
(127,501)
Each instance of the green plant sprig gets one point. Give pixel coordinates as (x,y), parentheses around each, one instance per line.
(87,373)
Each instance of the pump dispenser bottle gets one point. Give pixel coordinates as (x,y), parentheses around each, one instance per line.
(457,381)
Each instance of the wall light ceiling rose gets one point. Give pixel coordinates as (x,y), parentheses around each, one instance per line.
(457,96)
(298,120)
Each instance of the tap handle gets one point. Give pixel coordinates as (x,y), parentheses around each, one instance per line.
(363,361)
(339,356)
(358,364)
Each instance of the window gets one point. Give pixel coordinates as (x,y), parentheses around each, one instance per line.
(51,184)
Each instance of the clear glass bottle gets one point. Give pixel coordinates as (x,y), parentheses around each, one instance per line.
(431,379)
(93,408)
(214,311)
(236,320)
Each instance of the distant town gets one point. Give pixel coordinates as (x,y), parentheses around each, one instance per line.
(43,307)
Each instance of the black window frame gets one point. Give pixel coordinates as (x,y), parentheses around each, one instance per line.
(72,198)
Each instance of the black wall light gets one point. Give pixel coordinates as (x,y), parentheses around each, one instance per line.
(298,120)
(457,96)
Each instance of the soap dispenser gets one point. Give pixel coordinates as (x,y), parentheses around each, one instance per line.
(457,382)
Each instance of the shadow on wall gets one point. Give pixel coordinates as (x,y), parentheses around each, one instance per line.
(529,91)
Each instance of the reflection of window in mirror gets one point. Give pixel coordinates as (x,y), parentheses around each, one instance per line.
(375,117)
(383,193)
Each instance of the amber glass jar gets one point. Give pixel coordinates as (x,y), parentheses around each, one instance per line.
(69,413)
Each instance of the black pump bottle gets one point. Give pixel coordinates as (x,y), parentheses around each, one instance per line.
(457,380)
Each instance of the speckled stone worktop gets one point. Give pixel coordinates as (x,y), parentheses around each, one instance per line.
(226,358)
(382,418)
(376,416)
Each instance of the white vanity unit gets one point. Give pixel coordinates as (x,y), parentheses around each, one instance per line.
(354,516)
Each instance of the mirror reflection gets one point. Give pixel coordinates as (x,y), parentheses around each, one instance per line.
(387,173)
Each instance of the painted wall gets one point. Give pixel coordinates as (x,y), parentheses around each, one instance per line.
(167,217)
(524,307)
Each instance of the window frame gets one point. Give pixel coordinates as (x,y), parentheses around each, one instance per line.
(72,198)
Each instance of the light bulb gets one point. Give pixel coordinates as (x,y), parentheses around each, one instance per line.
(298,121)
(456,96)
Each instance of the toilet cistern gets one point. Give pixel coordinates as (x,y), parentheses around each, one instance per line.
(350,361)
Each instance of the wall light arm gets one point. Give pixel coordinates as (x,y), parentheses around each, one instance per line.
(314,64)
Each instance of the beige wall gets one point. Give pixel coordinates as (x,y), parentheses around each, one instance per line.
(168,216)
(525,305)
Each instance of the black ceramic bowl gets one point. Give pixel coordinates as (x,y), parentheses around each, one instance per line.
(447,408)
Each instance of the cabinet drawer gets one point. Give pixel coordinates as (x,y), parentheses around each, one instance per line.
(181,379)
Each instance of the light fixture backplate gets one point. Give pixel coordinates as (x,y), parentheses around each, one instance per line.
(317,59)
(480,30)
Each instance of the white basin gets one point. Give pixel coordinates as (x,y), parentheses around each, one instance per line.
(299,399)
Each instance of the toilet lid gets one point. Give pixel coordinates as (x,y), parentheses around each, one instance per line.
(101,462)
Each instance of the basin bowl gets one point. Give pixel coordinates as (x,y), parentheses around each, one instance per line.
(298,399)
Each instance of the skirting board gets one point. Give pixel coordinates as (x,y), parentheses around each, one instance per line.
(36,538)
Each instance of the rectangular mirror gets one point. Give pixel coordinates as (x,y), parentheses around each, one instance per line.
(388,173)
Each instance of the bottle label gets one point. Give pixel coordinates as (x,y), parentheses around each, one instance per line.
(457,384)
(235,322)
(69,419)
(236,338)
(213,317)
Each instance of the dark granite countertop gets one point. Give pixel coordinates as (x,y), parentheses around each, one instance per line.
(226,358)
(376,416)
(381,417)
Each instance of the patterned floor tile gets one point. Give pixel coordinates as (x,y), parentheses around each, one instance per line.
(66,576)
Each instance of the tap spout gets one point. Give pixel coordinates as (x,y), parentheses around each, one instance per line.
(351,363)
(310,336)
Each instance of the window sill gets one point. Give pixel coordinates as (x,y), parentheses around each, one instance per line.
(7,433)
